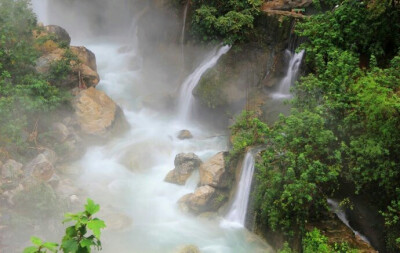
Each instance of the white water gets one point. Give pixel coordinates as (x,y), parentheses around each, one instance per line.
(183,31)
(291,75)
(186,98)
(237,213)
(126,175)
(340,213)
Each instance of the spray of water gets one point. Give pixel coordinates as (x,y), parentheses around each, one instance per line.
(186,98)
(237,213)
(291,75)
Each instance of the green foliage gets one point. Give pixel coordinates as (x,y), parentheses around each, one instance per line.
(314,241)
(76,238)
(229,21)
(247,131)
(24,94)
(299,167)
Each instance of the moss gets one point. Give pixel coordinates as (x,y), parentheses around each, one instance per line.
(210,89)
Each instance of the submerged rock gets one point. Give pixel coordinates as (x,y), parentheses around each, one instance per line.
(213,172)
(96,112)
(189,249)
(185,134)
(185,164)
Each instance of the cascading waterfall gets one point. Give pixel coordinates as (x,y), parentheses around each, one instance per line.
(126,175)
(186,97)
(340,213)
(291,75)
(40,8)
(237,213)
(184,27)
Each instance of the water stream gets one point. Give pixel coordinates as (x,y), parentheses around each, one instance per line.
(237,213)
(341,214)
(126,175)
(291,76)
(186,98)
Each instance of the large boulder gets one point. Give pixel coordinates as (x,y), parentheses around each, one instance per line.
(11,169)
(83,72)
(214,173)
(60,34)
(41,167)
(85,56)
(199,201)
(185,164)
(204,199)
(184,134)
(61,131)
(96,112)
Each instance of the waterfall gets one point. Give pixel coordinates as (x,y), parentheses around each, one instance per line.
(184,24)
(340,213)
(186,98)
(40,8)
(291,75)
(238,210)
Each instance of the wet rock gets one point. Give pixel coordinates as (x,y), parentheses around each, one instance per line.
(44,62)
(189,249)
(117,221)
(204,199)
(60,34)
(96,112)
(213,172)
(11,169)
(85,56)
(66,189)
(185,134)
(185,164)
(61,132)
(10,194)
(41,168)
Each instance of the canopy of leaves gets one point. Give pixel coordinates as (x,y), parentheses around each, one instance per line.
(229,21)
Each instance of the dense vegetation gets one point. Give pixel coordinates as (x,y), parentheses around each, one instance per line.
(24,94)
(76,238)
(344,128)
(229,21)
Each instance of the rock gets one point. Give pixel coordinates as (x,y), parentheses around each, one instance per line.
(61,132)
(80,75)
(204,199)
(61,35)
(96,112)
(11,169)
(117,221)
(41,168)
(189,249)
(10,194)
(85,56)
(185,164)
(213,172)
(185,134)
(44,62)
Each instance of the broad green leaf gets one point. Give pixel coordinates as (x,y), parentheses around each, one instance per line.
(31,249)
(36,241)
(69,246)
(91,207)
(51,246)
(95,225)
(86,243)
